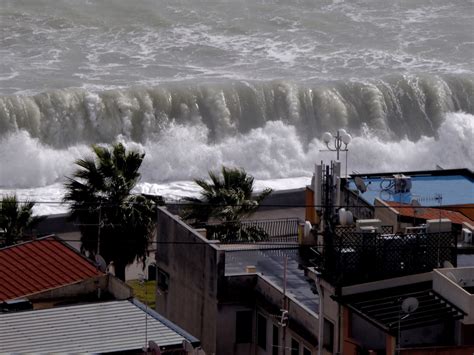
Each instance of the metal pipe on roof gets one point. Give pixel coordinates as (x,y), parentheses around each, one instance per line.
(320,315)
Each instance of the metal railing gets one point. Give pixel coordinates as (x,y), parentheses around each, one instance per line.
(274,230)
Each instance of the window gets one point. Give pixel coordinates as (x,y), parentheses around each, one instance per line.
(328,337)
(295,347)
(276,340)
(162,279)
(243,326)
(306,351)
(262,331)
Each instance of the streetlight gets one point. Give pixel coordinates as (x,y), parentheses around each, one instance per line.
(341,137)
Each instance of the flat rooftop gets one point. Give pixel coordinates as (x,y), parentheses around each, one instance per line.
(270,263)
(455,187)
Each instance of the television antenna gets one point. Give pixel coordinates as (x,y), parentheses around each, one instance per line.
(415,203)
(416,209)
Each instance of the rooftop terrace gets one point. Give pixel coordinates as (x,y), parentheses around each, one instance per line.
(456,187)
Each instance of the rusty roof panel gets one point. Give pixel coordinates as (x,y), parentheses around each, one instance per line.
(41,265)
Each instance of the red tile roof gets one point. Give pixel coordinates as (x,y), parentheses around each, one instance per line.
(428,213)
(40,265)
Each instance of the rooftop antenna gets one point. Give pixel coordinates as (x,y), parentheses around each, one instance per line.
(408,306)
(284,310)
(143,283)
(415,204)
(101,266)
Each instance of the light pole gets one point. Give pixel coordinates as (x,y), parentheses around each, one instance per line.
(341,138)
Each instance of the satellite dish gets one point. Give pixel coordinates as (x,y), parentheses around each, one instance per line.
(345,217)
(410,305)
(100,263)
(154,347)
(188,347)
(307,228)
(415,203)
(451,276)
(360,184)
(447,265)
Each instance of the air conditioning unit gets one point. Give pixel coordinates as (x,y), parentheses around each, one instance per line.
(368,229)
(438,225)
(373,223)
(415,230)
(466,235)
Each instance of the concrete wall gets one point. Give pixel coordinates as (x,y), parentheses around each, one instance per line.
(108,285)
(444,283)
(194,266)
(226,329)
(387,214)
(332,311)
(298,314)
(367,334)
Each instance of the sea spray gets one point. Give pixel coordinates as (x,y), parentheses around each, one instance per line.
(279,157)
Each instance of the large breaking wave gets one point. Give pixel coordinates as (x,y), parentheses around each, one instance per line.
(272,129)
(394,108)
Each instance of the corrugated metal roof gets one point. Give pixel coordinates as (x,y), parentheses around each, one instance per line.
(428,213)
(88,328)
(40,265)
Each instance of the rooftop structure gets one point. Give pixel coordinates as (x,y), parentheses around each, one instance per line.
(41,265)
(456,187)
(231,295)
(104,327)
(270,265)
(426,213)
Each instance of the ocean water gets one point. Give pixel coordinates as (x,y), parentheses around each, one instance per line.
(197,84)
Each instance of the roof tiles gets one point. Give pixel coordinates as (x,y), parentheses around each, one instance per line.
(40,265)
(428,213)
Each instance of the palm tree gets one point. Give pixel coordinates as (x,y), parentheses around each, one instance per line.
(15,219)
(226,198)
(113,222)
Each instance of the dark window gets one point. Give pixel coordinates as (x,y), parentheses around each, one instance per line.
(262,331)
(295,347)
(276,340)
(243,326)
(306,351)
(162,279)
(328,335)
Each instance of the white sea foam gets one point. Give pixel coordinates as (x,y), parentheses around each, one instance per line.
(274,154)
